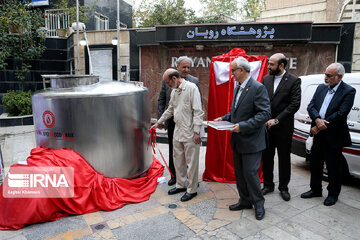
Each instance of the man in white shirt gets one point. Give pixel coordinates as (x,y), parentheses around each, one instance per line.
(285,94)
(185,107)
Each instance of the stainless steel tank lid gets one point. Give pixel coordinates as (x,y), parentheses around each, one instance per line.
(99,89)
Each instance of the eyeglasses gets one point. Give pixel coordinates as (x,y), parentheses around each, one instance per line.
(329,75)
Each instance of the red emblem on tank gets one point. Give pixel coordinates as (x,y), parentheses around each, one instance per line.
(48,119)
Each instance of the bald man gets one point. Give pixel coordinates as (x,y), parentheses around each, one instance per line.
(183,64)
(185,107)
(285,94)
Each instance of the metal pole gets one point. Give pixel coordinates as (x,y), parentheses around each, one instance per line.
(118,42)
(77,37)
(88,50)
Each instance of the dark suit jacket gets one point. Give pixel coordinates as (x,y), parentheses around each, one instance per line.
(337,132)
(251,112)
(165,92)
(284,102)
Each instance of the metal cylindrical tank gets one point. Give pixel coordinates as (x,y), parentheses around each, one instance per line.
(106,122)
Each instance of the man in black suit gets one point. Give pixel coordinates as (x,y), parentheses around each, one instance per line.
(250,110)
(183,66)
(328,110)
(285,94)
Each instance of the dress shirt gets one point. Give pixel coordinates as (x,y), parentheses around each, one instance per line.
(329,95)
(242,86)
(185,106)
(277,80)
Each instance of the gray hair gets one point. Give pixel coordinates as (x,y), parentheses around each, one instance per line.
(183,58)
(340,70)
(242,62)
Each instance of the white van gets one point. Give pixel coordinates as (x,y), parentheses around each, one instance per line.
(302,120)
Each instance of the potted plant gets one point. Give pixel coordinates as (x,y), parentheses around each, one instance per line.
(23,47)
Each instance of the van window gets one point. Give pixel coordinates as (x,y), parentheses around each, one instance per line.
(354,115)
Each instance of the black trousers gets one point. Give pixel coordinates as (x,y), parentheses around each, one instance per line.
(281,142)
(170,132)
(321,152)
(246,166)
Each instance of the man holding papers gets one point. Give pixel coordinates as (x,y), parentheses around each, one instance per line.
(249,112)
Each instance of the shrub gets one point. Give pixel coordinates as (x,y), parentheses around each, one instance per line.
(17,103)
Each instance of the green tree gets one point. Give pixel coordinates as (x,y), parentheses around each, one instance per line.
(219,7)
(25,46)
(251,9)
(162,12)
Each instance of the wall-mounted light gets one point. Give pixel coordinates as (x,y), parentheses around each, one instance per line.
(114,41)
(83,42)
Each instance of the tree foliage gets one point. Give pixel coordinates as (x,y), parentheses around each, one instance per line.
(23,47)
(219,7)
(252,8)
(162,12)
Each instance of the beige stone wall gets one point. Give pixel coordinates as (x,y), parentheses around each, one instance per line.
(301,10)
(100,38)
(276,4)
(356,51)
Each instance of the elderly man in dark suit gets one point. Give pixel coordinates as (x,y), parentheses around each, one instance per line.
(183,66)
(285,94)
(249,111)
(328,110)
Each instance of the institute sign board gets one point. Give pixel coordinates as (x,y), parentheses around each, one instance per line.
(299,31)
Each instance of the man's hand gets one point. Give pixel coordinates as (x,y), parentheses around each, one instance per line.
(235,128)
(197,138)
(157,125)
(321,123)
(218,119)
(270,123)
(314,130)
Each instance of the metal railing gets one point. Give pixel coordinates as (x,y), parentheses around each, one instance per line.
(55,19)
(101,22)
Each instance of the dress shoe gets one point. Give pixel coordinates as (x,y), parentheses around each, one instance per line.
(240,206)
(330,200)
(259,213)
(285,195)
(176,190)
(172,181)
(187,196)
(311,194)
(266,190)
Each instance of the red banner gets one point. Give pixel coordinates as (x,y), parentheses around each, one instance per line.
(219,163)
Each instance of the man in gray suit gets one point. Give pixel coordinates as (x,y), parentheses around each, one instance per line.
(250,110)
(183,66)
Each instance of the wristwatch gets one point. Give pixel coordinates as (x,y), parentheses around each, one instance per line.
(276,121)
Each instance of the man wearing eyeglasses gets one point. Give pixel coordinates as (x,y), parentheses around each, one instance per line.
(183,64)
(185,107)
(250,110)
(328,110)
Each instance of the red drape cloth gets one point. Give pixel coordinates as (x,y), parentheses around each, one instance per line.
(219,163)
(93,191)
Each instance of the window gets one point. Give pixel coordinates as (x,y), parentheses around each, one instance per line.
(54,19)
(101,22)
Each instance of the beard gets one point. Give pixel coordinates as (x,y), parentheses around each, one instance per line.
(274,72)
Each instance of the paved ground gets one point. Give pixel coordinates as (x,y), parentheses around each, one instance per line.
(204,217)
